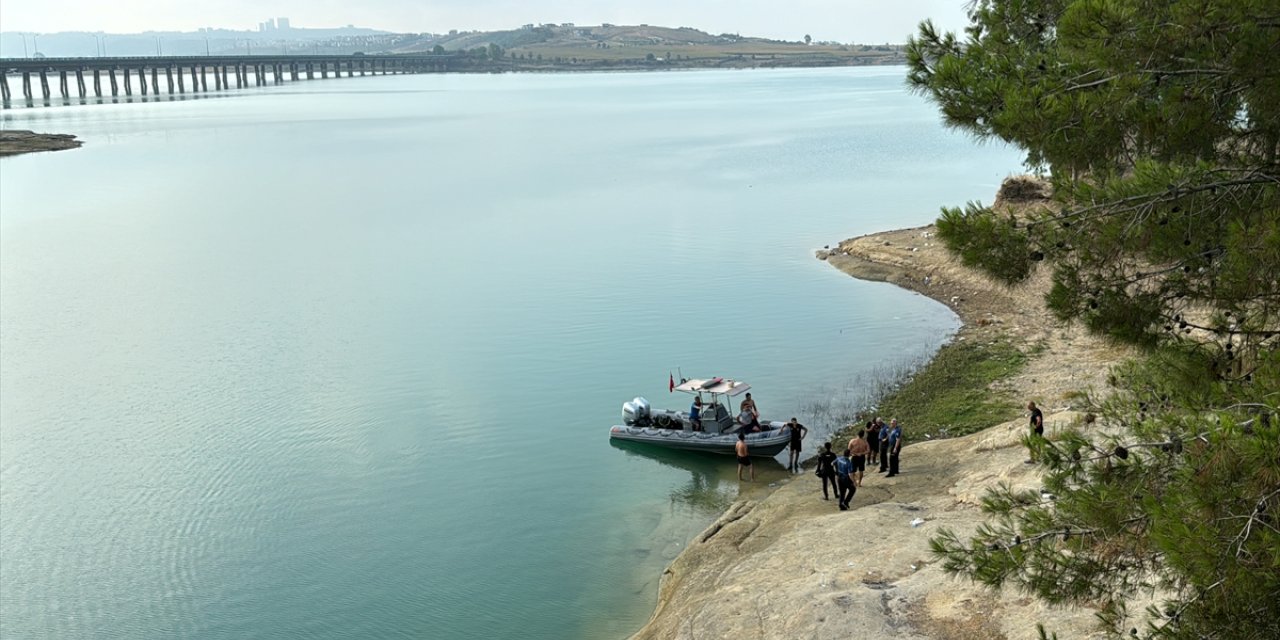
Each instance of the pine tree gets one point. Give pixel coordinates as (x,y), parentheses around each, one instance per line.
(1158,123)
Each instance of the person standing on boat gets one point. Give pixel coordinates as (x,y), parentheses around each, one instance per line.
(749,407)
(895,446)
(858,450)
(827,470)
(695,413)
(744,457)
(798,432)
(844,477)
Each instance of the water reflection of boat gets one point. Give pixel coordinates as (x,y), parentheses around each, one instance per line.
(690,461)
(716,431)
(712,483)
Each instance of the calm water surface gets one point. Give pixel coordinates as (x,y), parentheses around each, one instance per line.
(338,359)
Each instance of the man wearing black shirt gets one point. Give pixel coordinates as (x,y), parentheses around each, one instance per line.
(1037,429)
(798,432)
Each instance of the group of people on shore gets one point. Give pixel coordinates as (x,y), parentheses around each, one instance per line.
(876,443)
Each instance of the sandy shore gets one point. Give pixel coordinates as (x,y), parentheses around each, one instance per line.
(790,565)
(14,142)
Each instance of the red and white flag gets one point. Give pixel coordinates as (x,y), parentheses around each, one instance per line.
(671,382)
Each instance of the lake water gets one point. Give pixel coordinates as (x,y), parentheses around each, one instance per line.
(338,359)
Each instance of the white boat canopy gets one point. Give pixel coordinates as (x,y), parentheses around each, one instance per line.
(719,386)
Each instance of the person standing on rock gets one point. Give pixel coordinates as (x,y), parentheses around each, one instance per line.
(858,450)
(884,446)
(798,432)
(1037,429)
(895,446)
(873,441)
(844,478)
(744,457)
(827,470)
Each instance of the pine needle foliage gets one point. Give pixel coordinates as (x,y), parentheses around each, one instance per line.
(1158,124)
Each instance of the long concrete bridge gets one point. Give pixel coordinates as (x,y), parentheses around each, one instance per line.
(203,71)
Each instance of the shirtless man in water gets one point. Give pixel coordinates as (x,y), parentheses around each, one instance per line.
(744,457)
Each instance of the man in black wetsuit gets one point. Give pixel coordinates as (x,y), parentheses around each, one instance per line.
(827,470)
(798,432)
(873,441)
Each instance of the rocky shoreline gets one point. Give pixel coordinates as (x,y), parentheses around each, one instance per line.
(14,142)
(790,565)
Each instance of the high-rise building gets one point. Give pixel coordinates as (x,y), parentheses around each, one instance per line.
(282,24)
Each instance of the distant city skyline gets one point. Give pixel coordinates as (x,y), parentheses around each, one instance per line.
(863,21)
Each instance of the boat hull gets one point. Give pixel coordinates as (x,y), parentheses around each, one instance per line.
(765,444)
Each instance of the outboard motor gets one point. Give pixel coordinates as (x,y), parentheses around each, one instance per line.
(635,412)
(643,406)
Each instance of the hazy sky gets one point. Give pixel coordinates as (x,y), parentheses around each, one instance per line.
(863,21)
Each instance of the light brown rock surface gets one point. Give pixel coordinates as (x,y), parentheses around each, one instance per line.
(790,565)
(793,566)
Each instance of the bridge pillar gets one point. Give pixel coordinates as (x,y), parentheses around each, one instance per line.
(80,81)
(62,83)
(44,83)
(4,89)
(128,84)
(225,84)
(168,76)
(293,71)
(115,89)
(278,74)
(97,82)
(142,80)
(217,80)
(239,76)
(324,70)
(351,69)
(182,86)
(310,75)
(155,81)
(26,85)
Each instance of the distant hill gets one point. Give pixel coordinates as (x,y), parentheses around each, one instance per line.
(586,36)
(604,45)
